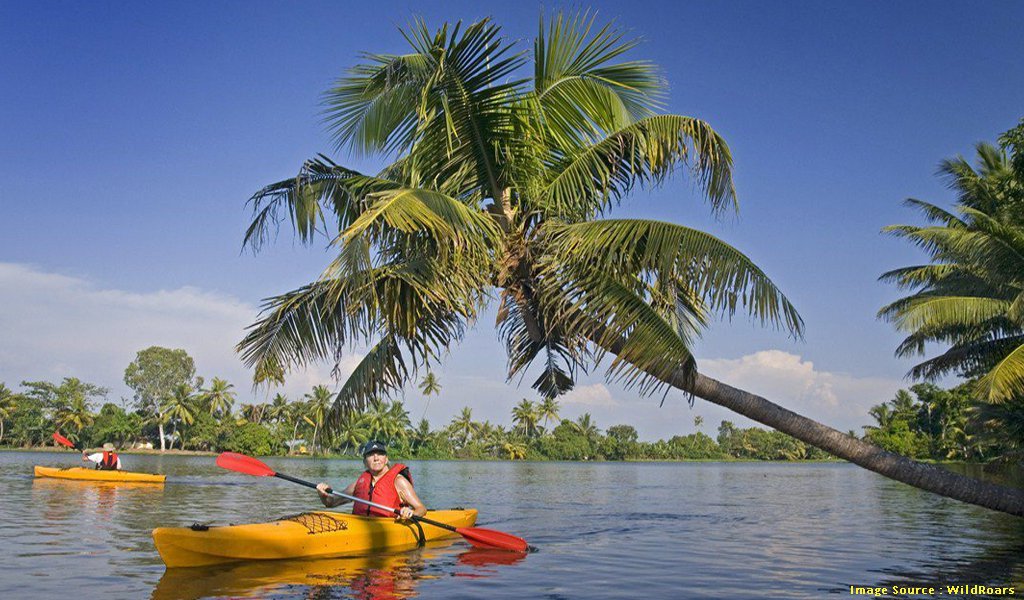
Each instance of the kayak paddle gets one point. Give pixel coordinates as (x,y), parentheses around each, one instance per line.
(63,441)
(478,536)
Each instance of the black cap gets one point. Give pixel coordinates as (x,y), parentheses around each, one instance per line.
(373,446)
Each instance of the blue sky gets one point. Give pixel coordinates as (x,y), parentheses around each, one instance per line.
(131,136)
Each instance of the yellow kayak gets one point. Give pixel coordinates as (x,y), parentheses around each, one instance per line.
(83,473)
(318,534)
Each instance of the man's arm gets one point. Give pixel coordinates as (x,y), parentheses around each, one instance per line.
(407,494)
(330,500)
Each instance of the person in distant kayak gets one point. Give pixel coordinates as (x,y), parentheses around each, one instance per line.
(107,460)
(390,485)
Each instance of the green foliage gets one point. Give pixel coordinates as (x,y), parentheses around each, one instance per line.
(899,438)
(250,438)
(620,443)
(114,425)
(759,444)
(204,433)
(67,404)
(30,425)
(8,404)
(156,371)
(694,446)
(567,442)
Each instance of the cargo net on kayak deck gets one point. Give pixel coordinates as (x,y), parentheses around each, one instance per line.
(318,522)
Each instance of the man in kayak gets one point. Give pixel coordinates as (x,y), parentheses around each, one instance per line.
(390,485)
(106,460)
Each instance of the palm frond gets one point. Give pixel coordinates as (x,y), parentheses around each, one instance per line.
(591,180)
(648,349)
(1005,380)
(446,220)
(924,310)
(380,373)
(321,188)
(720,276)
(373,109)
(580,93)
(934,213)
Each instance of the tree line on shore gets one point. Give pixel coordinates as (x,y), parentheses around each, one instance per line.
(188,413)
(929,422)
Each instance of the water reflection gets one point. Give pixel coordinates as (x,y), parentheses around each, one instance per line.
(377,577)
(736,530)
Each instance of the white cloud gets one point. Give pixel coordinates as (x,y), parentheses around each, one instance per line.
(840,400)
(590,395)
(54,326)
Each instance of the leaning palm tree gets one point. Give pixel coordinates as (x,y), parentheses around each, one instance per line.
(499,187)
(514,450)
(71,404)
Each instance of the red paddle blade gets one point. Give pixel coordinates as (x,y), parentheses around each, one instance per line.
(62,440)
(489,538)
(232,461)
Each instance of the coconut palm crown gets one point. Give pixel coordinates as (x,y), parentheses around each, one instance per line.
(498,189)
(971,295)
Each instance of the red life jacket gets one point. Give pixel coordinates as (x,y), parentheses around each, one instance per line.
(109,462)
(383,492)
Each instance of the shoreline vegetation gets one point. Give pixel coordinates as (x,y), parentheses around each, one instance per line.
(337,456)
(195,418)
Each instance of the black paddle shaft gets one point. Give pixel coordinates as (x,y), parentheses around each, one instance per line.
(360,500)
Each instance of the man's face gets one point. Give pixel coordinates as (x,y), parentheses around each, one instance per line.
(375,461)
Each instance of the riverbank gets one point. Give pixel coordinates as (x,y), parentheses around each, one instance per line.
(399,456)
(138,451)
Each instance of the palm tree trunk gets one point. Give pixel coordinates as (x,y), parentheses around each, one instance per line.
(894,466)
(160,426)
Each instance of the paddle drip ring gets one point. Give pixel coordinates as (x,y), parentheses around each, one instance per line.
(318,522)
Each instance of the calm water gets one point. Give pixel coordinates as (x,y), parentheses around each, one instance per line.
(695,530)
